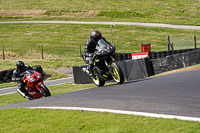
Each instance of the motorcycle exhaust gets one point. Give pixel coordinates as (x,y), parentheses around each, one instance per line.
(85,70)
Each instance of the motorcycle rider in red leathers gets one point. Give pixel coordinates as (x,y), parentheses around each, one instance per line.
(18,75)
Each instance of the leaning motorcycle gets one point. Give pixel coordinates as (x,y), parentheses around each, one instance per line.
(105,68)
(35,85)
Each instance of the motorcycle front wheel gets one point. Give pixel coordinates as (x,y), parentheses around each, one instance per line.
(45,90)
(117,73)
(97,81)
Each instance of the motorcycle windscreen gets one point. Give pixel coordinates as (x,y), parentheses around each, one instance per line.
(104,48)
(29,72)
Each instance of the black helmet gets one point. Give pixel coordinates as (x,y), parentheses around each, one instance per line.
(96,35)
(20,65)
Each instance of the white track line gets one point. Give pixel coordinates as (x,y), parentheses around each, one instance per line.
(120,23)
(8,93)
(125,112)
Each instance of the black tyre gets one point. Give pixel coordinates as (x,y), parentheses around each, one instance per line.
(116,57)
(117,73)
(5,79)
(125,56)
(97,81)
(129,56)
(163,54)
(174,52)
(153,55)
(45,90)
(158,54)
(3,73)
(169,52)
(1,78)
(120,56)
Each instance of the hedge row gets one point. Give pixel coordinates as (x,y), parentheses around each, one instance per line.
(6,75)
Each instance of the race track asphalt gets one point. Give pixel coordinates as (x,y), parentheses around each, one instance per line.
(173,94)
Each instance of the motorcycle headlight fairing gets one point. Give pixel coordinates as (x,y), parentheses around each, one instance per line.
(38,75)
(32,79)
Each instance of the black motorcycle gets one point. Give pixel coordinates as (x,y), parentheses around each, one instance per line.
(105,68)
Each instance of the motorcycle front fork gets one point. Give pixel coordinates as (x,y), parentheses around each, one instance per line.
(39,90)
(108,65)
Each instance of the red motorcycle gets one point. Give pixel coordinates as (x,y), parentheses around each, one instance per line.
(34,84)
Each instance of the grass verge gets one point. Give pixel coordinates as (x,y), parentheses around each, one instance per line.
(159,11)
(61,45)
(43,120)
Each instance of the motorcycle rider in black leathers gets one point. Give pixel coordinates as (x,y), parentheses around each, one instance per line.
(90,46)
(18,75)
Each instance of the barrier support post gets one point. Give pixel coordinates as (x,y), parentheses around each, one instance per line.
(80,50)
(168,43)
(195,42)
(3,51)
(42,51)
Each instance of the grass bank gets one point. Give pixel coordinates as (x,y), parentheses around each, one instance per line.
(182,12)
(44,120)
(60,42)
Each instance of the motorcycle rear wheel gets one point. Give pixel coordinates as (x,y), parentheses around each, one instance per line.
(117,73)
(97,81)
(45,90)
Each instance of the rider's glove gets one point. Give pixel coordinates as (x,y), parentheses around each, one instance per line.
(91,54)
(22,78)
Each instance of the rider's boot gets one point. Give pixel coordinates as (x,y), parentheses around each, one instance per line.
(90,67)
(25,94)
(87,70)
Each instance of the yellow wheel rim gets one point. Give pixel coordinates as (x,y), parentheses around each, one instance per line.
(116,76)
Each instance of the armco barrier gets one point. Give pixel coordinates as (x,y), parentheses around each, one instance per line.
(176,61)
(122,56)
(123,67)
(136,69)
(6,75)
(152,54)
(79,76)
(163,54)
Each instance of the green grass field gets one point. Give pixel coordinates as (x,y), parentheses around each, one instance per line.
(65,121)
(61,43)
(159,11)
